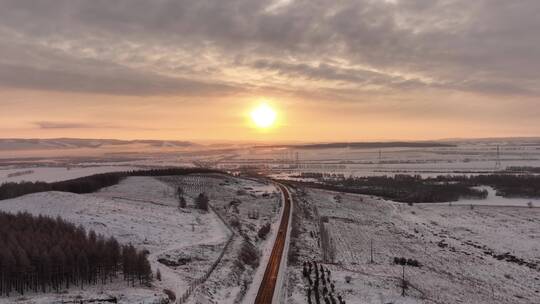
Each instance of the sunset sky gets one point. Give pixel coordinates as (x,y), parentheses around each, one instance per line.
(332,70)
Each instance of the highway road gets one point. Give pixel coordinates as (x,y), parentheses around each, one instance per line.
(269,282)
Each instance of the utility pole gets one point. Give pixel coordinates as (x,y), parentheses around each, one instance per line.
(403,282)
(371,250)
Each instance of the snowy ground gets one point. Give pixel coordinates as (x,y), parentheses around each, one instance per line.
(487,254)
(141,211)
(245,205)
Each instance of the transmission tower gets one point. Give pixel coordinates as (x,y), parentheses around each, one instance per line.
(498,160)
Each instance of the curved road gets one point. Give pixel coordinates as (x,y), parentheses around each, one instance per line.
(269,281)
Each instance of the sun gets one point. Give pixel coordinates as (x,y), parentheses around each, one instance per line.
(263,116)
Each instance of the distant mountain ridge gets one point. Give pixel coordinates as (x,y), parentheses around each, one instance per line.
(363,145)
(74,143)
(16,144)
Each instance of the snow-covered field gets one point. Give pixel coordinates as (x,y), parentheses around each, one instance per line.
(465,158)
(54,174)
(487,254)
(245,205)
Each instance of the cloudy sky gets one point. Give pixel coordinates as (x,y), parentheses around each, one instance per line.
(334,70)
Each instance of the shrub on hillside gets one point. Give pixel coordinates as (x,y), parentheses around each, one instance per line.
(263,231)
(249,255)
(170,294)
(407,262)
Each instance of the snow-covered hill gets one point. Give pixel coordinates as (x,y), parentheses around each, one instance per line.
(141,211)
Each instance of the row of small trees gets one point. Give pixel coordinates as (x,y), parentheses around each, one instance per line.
(320,284)
(42,254)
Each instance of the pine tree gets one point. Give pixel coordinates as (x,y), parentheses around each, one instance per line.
(181,200)
(202,202)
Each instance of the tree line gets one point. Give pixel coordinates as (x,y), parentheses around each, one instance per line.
(508,185)
(90,183)
(320,284)
(401,188)
(447,188)
(42,254)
